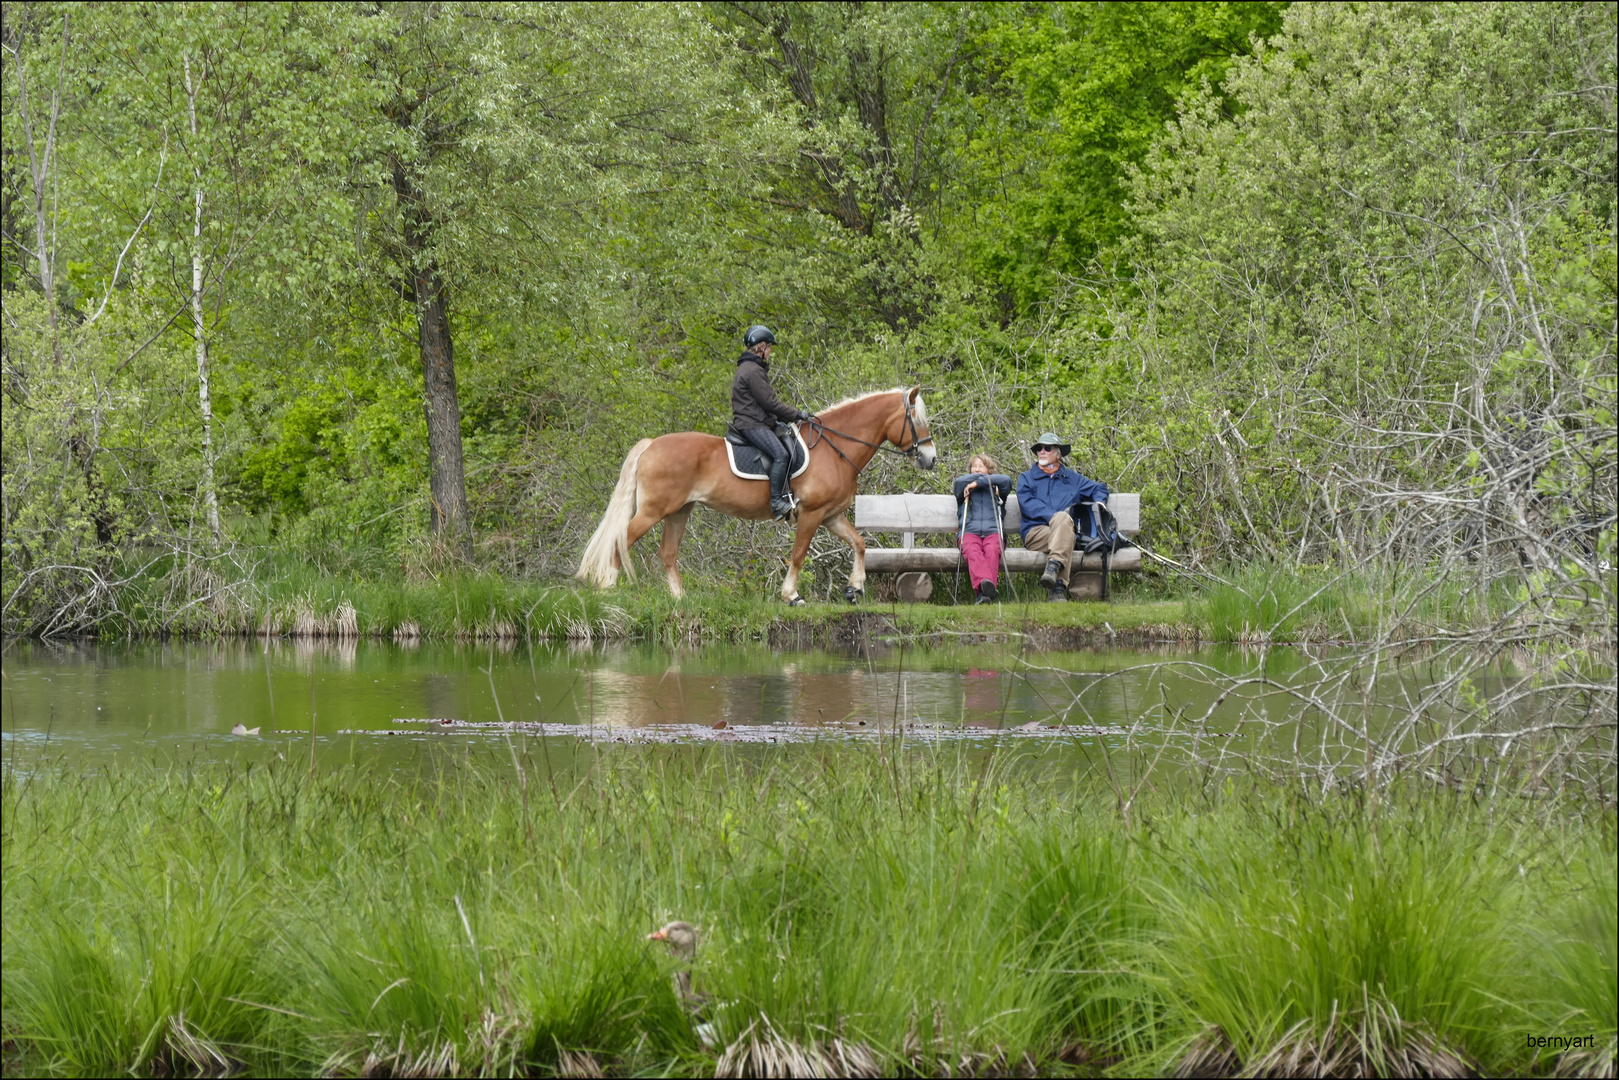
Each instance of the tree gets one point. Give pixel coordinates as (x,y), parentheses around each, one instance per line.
(867,82)
(1386,277)
(519,139)
(246,101)
(1093,86)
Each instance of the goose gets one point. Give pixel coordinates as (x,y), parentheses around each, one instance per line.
(681,937)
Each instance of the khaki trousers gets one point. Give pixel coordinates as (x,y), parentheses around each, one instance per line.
(1056,540)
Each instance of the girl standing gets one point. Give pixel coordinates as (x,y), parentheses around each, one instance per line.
(980,503)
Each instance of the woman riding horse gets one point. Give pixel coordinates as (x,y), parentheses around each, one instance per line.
(754,408)
(663,478)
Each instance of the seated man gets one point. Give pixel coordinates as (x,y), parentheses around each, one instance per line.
(1046,495)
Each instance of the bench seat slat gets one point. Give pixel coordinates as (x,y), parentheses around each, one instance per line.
(945,560)
(937,513)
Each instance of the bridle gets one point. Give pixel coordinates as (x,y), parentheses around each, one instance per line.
(818,429)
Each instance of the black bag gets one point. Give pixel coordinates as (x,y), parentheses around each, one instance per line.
(1104,533)
(1104,537)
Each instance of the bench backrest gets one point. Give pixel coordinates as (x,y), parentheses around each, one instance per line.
(938,513)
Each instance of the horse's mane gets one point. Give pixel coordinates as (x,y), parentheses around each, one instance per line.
(921,410)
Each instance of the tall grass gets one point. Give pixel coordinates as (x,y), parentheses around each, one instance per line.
(1263,602)
(930,912)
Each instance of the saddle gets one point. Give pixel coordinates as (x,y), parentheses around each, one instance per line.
(749,464)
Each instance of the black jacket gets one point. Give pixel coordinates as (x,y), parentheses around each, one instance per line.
(753,403)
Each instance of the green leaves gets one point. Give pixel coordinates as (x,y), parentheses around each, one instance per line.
(1099,83)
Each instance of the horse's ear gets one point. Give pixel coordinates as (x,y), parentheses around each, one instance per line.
(916,392)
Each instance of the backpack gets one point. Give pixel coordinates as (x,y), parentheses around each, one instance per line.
(1104,538)
(1104,532)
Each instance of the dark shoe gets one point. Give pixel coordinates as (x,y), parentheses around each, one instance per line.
(783,508)
(1049,579)
(1058,592)
(989,592)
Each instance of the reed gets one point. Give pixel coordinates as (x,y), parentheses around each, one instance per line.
(860,909)
(1263,602)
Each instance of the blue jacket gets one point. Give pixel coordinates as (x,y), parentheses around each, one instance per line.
(983,516)
(1040,496)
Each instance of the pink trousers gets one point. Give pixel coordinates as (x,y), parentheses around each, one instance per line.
(983,555)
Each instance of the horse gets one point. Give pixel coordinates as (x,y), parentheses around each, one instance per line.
(663,478)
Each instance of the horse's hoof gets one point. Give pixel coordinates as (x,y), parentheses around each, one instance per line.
(852,594)
(797,601)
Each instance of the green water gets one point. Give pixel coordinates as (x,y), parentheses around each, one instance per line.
(381,701)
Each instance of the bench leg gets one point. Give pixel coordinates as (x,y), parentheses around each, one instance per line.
(1085,585)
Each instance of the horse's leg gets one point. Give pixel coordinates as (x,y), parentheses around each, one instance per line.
(857,577)
(674,527)
(807,524)
(645,517)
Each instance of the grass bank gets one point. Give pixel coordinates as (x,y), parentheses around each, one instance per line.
(1254,603)
(305,601)
(869,912)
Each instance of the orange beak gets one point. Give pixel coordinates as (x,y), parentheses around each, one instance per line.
(657,935)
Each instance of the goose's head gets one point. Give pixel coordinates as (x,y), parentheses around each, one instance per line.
(681,937)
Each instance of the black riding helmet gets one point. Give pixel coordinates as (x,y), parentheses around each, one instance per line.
(759,335)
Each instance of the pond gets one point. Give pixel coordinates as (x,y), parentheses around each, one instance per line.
(346,700)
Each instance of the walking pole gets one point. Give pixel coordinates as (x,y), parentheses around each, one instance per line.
(1097,510)
(1000,534)
(961,530)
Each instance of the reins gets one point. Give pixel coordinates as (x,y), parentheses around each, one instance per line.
(817,429)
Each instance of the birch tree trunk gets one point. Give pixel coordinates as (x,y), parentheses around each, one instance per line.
(210,498)
(40,169)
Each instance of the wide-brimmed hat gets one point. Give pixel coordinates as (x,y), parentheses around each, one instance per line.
(1049,438)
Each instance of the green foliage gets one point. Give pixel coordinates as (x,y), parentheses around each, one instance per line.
(1099,84)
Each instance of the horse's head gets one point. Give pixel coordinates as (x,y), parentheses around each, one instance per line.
(909,431)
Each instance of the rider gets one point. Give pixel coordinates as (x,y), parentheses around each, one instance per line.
(755,409)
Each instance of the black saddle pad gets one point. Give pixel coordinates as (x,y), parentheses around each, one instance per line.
(747,462)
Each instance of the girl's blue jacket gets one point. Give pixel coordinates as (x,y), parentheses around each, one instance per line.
(983,516)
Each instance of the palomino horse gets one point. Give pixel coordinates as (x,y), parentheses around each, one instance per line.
(663,478)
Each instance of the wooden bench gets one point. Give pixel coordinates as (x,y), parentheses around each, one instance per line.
(912,514)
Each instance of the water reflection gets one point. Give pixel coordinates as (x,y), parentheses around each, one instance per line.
(105,700)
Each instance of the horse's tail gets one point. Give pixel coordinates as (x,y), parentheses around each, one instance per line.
(608,548)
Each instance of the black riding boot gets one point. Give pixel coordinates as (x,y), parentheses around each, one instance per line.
(781,500)
(765,441)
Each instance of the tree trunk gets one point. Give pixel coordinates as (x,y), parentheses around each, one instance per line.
(210,497)
(447,482)
(40,168)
